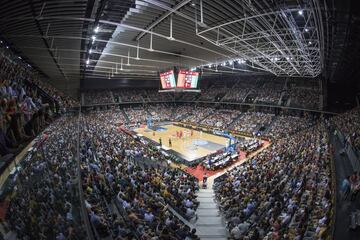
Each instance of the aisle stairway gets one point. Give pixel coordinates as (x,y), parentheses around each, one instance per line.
(209,224)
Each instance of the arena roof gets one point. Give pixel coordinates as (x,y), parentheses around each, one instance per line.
(71,40)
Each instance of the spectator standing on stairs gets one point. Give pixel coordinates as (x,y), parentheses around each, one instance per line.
(205,180)
(345,187)
(354,185)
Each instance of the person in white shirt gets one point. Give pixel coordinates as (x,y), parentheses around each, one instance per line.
(190,213)
(148,217)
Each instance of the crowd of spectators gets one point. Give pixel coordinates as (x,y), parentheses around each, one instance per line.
(129,95)
(62,99)
(257,92)
(137,115)
(161,112)
(220,118)
(284,192)
(196,114)
(112,175)
(349,124)
(285,125)
(235,95)
(154,95)
(211,94)
(45,203)
(269,94)
(24,112)
(187,96)
(305,98)
(251,122)
(180,112)
(98,97)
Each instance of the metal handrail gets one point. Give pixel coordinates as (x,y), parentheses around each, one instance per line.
(84,214)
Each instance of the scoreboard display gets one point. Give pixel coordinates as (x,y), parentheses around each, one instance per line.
(187,79)
(168,80)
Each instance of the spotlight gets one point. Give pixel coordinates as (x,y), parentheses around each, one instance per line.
(301,12)
(310,42)
(193,4)
(90,51)
(87,62)
(96,30)
(306,29)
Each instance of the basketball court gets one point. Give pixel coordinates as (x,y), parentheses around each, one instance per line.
(191,146)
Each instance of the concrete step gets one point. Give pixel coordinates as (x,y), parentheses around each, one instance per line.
(209,224)
(205,194)
(210,205)
(208,212)
(208,190)
(205,232)
(209,221)
(205,199)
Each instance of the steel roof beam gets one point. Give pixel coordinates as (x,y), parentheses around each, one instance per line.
(162,17)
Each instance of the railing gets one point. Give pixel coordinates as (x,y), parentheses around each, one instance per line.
(333,189)
(125,216)
(349,149)
(84,213)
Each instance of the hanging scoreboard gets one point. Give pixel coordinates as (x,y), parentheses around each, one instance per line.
(167,80)
(187,79)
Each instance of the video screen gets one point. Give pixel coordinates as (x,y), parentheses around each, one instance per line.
(168,80)
(187,79)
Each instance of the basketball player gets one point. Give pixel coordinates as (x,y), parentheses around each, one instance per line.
(160,142)
(170,144)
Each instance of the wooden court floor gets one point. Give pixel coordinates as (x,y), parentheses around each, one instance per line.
(189,147)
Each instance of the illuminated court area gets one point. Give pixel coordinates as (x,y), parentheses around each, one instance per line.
(191,146)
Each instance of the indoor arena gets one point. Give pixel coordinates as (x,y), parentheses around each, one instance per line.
(179,120)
